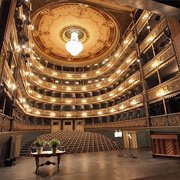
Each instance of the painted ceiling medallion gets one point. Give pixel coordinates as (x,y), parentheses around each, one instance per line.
(97,31)
(65,33)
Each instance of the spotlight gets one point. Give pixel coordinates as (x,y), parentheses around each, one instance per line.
(148,27)
(157,18)
(23,46)
(138,60)
(18,21)
(162,44)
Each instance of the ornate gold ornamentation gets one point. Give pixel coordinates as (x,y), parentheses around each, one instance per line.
(159,121)
(83,33)
(165,55)
(108,44)
(22,126)
(171,120)
(154,33)
(167,88)
(174,120)
(57,21)
(45,11)
(36,33)
(110,24)
(118,124)
(47,51)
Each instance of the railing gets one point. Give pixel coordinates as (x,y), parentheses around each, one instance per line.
(170,120)
(131,103)
(92,74)
(141,122)
(21,126)
(166,120)
(125,86)
(59,87)
(6,121)
(165,55)
(167,89)
(153,35)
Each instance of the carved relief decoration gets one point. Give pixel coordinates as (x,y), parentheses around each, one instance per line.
(99,28)
(164,89)
(4,123)
(155,32)
(119,124)
(20,126)
(158,60)
(172,120)
(159,121)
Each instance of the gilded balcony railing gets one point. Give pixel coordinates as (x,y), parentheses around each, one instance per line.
(20,126)
(131,103)
(153,35)
(164,120)
(165,55)
(156,121)
(142,21)
(80,88)
(128,84)
(141,122)
(167,89)
(93,73)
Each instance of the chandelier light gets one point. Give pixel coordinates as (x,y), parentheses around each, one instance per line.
(74,47)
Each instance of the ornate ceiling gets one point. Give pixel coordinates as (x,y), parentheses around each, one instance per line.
(101,29)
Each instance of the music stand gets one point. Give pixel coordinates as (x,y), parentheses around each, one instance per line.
(118,134)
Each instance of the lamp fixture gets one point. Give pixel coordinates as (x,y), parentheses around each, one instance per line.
(74,46)
(118,133)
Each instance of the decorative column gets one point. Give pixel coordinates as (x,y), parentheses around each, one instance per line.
(6,20)
(145,98)
(174,27)
(164,103)
(2,62)
(3,109)
(92,120)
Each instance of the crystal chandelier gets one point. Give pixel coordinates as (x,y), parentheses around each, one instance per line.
(74,47)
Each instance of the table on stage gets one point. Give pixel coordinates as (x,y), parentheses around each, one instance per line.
(47,154)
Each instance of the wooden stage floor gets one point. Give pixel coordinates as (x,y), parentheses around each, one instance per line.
(97,166)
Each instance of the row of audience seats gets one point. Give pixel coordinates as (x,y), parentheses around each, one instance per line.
(78,141)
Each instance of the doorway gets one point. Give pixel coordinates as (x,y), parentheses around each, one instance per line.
(56,125)
(67,125)
(130,140)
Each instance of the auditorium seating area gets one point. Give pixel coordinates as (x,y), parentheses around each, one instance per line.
(81,142)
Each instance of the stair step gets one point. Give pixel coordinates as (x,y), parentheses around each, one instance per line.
(25,149)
